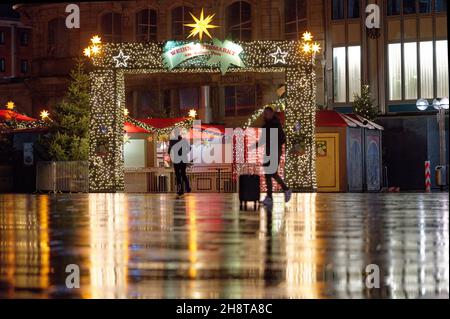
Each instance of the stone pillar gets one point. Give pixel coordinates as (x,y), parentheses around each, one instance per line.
(205,112)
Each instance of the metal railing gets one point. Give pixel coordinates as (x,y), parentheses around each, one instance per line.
(62,176)
(210,179)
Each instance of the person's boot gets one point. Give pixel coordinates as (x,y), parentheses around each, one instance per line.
(268,201)
(180,190)
(287,195)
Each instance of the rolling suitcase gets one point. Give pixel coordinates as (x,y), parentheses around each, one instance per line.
(249,190)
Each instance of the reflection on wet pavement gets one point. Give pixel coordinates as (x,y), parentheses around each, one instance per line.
(202,246)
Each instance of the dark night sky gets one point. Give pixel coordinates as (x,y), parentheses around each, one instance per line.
(6,11)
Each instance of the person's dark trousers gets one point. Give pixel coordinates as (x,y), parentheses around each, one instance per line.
(277,178)
(269,183)
(181,177)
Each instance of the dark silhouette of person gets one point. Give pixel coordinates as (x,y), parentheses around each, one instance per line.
(271,121)
(178,151)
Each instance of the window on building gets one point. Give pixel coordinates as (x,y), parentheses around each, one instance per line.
(146,25)
(338,9)
(24,66)
(239,21)
(111,27)
(295,18)
(346,60)
(339,75)
(442,68)
(393,7)
(441,6)
(180,16)
(426,70)
(2,65)
(410,70)
(2,37)
(409,6)
(57,38)
(189,99)
(426,59)
(353,9)
(354,71)
(425,6)
(395,71)
(240,100)
(24,38)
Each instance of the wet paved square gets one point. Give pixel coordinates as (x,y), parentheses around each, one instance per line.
(203,246)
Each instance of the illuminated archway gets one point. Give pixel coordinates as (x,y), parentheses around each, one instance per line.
(294,58)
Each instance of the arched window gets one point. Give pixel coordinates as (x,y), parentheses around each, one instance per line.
(180,16)
(239,21)
(146,25)
(57,43)
(111,27)
(295,18)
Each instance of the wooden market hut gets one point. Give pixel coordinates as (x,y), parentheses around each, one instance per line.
(348,150)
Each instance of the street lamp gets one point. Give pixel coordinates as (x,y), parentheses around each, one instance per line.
(441,105)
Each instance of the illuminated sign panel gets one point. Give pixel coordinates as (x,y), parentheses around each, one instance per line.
(221,53)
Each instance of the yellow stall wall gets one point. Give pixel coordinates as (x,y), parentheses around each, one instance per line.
(327,162)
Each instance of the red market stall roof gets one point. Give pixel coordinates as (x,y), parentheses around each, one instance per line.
(7,115)
(332,119)
(130,128)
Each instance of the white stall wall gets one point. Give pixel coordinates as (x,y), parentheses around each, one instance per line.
(134,152)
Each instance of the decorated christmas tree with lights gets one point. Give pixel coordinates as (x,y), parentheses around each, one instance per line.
(363,104)
(69,140)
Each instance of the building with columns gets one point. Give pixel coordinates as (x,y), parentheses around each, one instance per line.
(391,60)
(15,57)
(402,61)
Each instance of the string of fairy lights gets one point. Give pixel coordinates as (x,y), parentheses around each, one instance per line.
(112,61)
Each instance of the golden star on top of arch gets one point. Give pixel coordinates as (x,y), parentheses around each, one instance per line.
(201,25)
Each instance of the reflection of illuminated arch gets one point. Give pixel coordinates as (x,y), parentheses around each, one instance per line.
(25,245)
(108,223)
(301,247)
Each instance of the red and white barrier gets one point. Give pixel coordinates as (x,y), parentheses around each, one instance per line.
(427,177)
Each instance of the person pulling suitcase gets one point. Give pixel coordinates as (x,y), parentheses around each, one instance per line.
(271,121)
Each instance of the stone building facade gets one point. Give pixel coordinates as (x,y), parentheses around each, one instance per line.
(15,57)
(233,98)
(352,55)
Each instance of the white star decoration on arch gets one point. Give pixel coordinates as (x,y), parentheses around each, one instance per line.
(279,56)
(121,60)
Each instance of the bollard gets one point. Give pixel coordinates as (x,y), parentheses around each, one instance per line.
(427,177)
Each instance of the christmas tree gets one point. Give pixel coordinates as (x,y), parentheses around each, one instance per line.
(69,140)
(363,104)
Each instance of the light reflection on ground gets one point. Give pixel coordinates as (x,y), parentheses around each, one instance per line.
(202,246)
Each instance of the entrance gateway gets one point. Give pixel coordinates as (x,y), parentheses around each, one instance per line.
(107,101)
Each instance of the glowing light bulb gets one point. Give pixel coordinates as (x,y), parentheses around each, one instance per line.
(87,52)
(315,47)
(44,114)
(96,39)
(95,49)
(306,48)
(307,36)
(10,105)
(193,113)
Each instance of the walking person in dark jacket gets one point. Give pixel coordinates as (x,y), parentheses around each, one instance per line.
(271,121)
(178,151)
